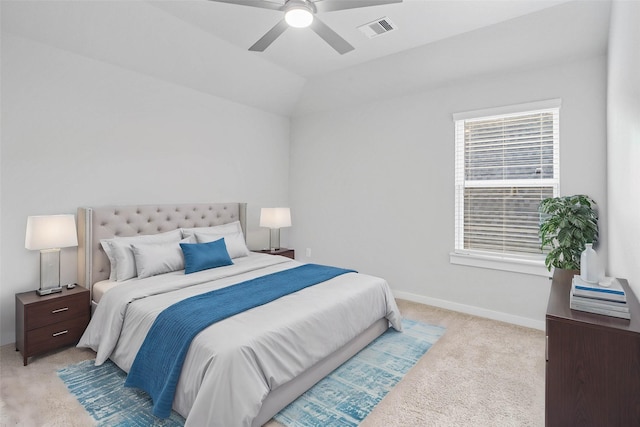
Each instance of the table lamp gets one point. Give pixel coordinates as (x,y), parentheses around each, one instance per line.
(49,233)
(275,218)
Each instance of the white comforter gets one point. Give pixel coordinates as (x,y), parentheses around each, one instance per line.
(232,365)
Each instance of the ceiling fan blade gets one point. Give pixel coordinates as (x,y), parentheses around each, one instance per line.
(270,36)
(330,36)
(332,5)
(264,4)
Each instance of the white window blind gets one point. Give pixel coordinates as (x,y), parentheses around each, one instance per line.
(506,164)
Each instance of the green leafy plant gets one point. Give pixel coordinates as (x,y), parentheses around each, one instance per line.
(567,224)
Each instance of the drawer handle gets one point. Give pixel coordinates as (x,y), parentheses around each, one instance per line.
(59,310)
(60,333)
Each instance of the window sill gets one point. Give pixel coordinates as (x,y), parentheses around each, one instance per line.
(496,262)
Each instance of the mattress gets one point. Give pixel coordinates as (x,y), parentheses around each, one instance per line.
(101,288)
(234,364)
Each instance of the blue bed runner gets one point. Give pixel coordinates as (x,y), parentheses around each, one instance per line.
(157,366)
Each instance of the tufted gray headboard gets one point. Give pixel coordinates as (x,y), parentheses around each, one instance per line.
(105,222)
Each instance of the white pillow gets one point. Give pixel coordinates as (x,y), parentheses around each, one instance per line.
(112,258)
(157,258)
(125,263)
(235,242)
(230,227)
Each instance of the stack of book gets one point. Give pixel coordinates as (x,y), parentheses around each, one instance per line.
(609,300)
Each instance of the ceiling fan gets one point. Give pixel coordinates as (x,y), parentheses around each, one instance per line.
(301,14)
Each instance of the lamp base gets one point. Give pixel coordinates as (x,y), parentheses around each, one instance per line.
(274,239)
(48,291)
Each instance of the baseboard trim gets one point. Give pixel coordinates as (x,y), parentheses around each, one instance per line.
(469,309)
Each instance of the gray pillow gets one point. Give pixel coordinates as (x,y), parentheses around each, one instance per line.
(234,241)
(158,258)
(122,255)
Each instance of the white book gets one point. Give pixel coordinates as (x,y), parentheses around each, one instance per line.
(598,295)
(606,285)
(598,303)
(612,313)
(613,293)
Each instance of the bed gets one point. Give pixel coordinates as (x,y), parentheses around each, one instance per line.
(244,369)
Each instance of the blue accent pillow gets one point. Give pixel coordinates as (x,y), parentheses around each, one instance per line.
(203,256)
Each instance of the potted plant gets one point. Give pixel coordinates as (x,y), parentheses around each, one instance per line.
(566,225)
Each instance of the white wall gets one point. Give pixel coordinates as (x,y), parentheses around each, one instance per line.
(79,132)
(372,186)
(623,150)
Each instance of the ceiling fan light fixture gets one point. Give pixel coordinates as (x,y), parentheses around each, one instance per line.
(299,15)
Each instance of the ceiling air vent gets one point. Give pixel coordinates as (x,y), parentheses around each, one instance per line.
(377,27)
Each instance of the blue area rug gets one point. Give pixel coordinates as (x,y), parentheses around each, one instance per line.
(349,394)
(100,389)
(344,398)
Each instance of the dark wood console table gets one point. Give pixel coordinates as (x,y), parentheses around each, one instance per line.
(593,363)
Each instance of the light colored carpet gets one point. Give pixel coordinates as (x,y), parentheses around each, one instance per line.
(480,372)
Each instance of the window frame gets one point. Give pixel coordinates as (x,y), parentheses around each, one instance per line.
(506,261)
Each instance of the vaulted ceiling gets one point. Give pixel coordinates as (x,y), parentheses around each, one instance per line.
(203,44)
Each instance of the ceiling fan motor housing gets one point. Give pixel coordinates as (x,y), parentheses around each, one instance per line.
(299,13)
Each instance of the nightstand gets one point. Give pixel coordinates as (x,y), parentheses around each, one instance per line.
(44,323)
(593,363)
(289,253)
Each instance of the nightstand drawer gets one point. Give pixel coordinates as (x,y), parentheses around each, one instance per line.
(57,335)
(56,310)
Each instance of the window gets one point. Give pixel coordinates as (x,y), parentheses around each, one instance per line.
(506,163)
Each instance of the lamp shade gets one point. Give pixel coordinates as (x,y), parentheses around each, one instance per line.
(50,232)
(275,217)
